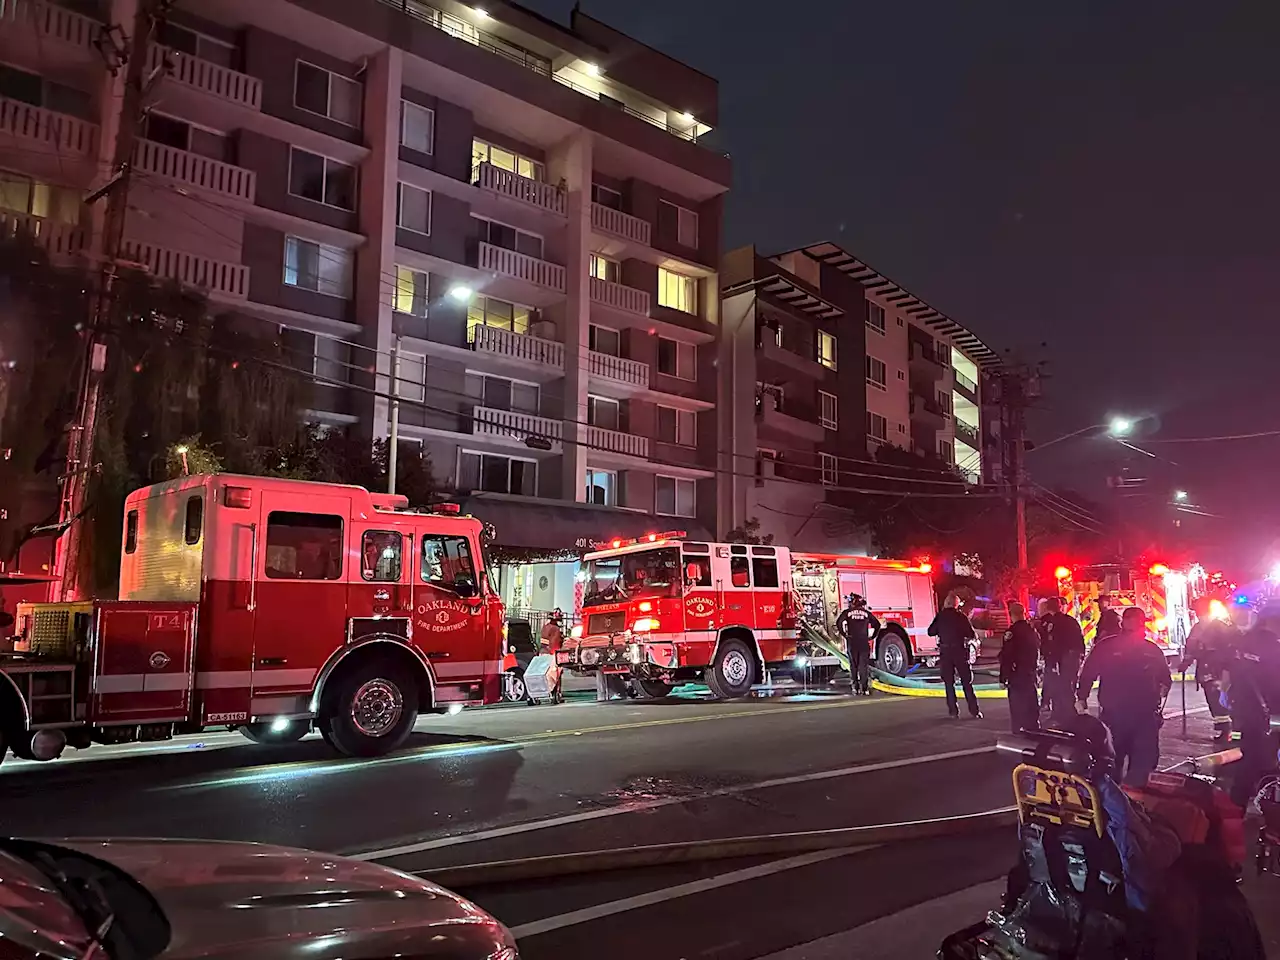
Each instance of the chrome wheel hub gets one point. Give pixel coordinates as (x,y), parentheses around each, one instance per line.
(735,668)
(376,707)
(893,658)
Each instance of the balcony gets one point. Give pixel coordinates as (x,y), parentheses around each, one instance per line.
(208,78)
(926,409)
(512,428)
(221,280)
(617,296)
(600,440)
(769,349)
(519,349)
(521,266)
(59,240)
(57,133)
(191,169)
(797,423)
(48,21)
(619,224)
(926,363)
(504,183)
(622,377)
(967,386)
(967,434)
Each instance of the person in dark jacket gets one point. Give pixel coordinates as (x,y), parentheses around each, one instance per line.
(1062,645)
(1210,647)
(1019,658)
(1108,620)
(954,632)
(1252,682)
(1134,681)
(857,626)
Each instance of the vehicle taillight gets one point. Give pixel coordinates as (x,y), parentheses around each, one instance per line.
(239,497)
(644,625)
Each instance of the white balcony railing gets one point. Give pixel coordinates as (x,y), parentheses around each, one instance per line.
(490,421)
(50,21)
(57,132)
(521,266)
(517,346)
(231,280)
(620,224)
(197,171)
(619,369)
(965,382)
(620,297)
(545,196)
(59,239)
(209,77)
(615,441)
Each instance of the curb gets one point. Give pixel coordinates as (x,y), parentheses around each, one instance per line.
(697,851)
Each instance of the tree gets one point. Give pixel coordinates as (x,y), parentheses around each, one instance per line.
(749,532)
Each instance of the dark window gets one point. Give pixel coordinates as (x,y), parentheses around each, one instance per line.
(131,531)
(311,88)
(447,563)
(20,85)
(304,546)
(177,38)
(703,563)
(739,571)
(380,554)
(168,131)
(765,572)
(194,521)
(606,197)
(306,176)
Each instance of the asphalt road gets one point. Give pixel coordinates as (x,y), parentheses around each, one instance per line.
(532,781)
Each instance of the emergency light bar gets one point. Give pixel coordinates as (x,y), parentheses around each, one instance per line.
(648,538)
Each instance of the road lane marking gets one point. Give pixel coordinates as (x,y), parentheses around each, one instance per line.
(588,914)
(587,815)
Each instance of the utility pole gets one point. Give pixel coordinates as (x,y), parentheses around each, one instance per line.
(1019,385)
(80,443)
(393,435)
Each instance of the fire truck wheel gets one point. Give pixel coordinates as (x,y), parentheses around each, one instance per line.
(892,654)
(733,671)
(372,712)
(262,732)
(652,689)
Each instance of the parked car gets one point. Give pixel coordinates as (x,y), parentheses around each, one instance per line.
(178,899)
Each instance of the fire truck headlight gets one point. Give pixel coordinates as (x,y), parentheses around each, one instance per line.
(280,724)
(802,661)
(454,709)
(644,625)
(576,632)
(590,657)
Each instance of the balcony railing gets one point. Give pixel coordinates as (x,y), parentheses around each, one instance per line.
(609,220)
(620,297)
(59,239)
(545,196)
(966,433)
(964,382)
(490,421)
(208,77)
(58,132)
(50,21)
(521,266)
(620,369)
(195,170)
(231,280)
(615,441)
(517,346)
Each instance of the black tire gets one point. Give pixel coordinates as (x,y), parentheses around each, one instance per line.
(371,711)
(652,689)
(261,732)
(733,671)
(892,655)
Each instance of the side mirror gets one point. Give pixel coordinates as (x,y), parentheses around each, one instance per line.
(464,586)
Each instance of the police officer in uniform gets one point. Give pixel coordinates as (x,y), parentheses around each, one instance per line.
(1210,646)
(1019,657)
(857,626)
(1252,681)
(954,633)
(1062,643)
(1134,680)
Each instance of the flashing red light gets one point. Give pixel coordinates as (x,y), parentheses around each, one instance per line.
(653,537)
(239,497)
(616,544)
(1159,569)
(1062,573)
(926,567)
(644,606)
(447,508)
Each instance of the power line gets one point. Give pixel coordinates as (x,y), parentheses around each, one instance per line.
(1228,436)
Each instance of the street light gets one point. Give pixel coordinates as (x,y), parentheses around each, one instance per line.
(1180,496)
(1116,428)
(460,292)
(1120,426)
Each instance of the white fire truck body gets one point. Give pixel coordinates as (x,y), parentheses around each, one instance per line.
(265,605)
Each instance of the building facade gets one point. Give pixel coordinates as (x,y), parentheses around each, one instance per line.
(520,210)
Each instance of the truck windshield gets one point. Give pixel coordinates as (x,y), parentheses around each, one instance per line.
(649,573)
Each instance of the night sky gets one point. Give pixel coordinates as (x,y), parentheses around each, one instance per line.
(1094,176)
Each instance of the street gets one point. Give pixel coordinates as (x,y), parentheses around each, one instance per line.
(519,781)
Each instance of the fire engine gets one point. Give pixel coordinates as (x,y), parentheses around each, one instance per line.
(266,606)
(1166,595)
(667,610)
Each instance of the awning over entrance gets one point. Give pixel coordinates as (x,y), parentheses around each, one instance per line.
(533,530)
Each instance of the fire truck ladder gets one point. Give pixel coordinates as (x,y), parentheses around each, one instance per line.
(817,635)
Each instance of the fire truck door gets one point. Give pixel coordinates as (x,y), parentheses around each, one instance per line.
(450,620)
(300,607)
(731,574)
(379,583)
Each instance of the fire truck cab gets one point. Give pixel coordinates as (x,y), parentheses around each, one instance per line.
(263,605)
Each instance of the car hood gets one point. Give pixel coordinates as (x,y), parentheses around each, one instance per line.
(249,901)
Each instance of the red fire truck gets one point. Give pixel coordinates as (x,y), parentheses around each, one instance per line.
(267,606)
(668,610)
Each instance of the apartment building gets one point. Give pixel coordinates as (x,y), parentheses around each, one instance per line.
(525,208)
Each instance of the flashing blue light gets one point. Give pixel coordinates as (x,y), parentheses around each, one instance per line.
(1242,599)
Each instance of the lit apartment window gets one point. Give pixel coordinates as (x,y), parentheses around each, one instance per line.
(504,159)
(604,340)
(676,221)
(677,426)
(877,426)
(502,393)
(412,382)
(494,474)
(677,291)
(828,410)
(491,312)
(411,292)
(674,496)
(827,349)
(604,412)
(413,209)
(875,317)
(316,266)
(313,177)
(417,127)
(602,268)
(316,90)
(876,373)
(677,359)
(830,469)
(507,237)
(602,487)
(23,195)
(606,197)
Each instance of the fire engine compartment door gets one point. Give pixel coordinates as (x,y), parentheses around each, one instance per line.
(144,661)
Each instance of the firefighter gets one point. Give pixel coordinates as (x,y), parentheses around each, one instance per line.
(1108,619)
(1210,646)
(551,640)
(954,633)
(1252,681)
(1062,643)
(1019,657)
(1134,681)
(858,626)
